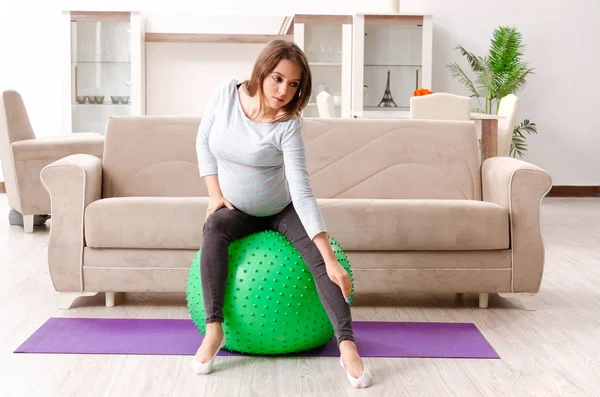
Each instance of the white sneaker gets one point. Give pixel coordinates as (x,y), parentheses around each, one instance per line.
(359,383)
(204,368)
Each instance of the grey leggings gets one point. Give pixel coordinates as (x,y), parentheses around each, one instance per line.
(225,225)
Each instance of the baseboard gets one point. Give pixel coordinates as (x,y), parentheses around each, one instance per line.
(574,191)
(2,187)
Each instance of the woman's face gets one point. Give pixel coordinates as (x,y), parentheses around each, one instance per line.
(281,85)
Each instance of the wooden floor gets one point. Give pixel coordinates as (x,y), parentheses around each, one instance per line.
(554,351)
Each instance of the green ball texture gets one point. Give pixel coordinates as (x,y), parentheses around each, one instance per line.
(271,302)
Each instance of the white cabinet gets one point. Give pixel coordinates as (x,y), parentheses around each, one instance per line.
(353,56)
(104,68)
(392,57)
(327,43)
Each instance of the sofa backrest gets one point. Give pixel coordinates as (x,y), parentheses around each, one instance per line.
(151,156)
(393,158)
(347,158)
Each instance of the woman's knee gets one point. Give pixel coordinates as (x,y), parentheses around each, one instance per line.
(218,222)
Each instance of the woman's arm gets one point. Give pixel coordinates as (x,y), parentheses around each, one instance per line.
(296,174)
(306,206)
(325,248)
(335,270)
(216,199)
(212,184)
(206,159)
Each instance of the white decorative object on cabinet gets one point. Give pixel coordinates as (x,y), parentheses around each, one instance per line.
(389,47)
(326,106)
(508,108)
(440,106)
(104,68)
(327,43)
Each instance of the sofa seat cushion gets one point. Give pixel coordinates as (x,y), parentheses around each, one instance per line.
(357,224)
(413,224)
(146,222)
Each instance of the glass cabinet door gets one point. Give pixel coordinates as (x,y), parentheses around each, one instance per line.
(395,61)
(326,41)
(323,48)
(101,71)
(392,66)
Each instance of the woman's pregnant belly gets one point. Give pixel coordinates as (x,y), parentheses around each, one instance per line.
(257,192)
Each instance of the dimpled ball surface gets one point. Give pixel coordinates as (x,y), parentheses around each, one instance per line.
(271,302)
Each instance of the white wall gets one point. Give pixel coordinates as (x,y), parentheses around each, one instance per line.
(561,40)
(180,76)
(561,97)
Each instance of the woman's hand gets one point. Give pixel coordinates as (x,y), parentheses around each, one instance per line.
(339,275)
(215,203)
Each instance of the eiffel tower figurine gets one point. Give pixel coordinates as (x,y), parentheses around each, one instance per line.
(387,101)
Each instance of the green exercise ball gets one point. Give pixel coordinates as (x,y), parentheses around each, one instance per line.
(271,302)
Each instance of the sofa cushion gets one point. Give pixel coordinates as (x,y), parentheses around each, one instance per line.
(407,224)
(145,222)
(357,224)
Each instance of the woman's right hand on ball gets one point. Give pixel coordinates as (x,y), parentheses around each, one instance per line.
(215,203)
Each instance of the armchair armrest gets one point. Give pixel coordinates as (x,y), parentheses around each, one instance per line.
(57,147)
(73,182)
(32,155)
(520,187)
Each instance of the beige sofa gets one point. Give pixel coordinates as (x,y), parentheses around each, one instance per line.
(408,200)
(23,156)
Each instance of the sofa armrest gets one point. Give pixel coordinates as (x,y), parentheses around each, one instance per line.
(520,187)
(73,182)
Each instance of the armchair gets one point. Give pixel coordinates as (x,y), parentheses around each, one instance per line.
(23,156)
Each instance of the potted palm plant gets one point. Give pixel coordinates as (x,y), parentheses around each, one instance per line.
(496,75)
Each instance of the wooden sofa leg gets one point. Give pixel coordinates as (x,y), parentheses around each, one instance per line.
(66,299)
(527,300)
(483,300)
(110,299)
(28,223)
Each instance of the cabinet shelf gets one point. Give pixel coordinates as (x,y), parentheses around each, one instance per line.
(391,66)
(99,62)
(397,113)
(213,38)
(338,64)
(382,109)
(314,104)
(100,104)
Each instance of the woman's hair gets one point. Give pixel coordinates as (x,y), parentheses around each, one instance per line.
(272,54)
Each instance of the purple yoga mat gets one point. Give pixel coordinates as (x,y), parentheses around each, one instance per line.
(180,337)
